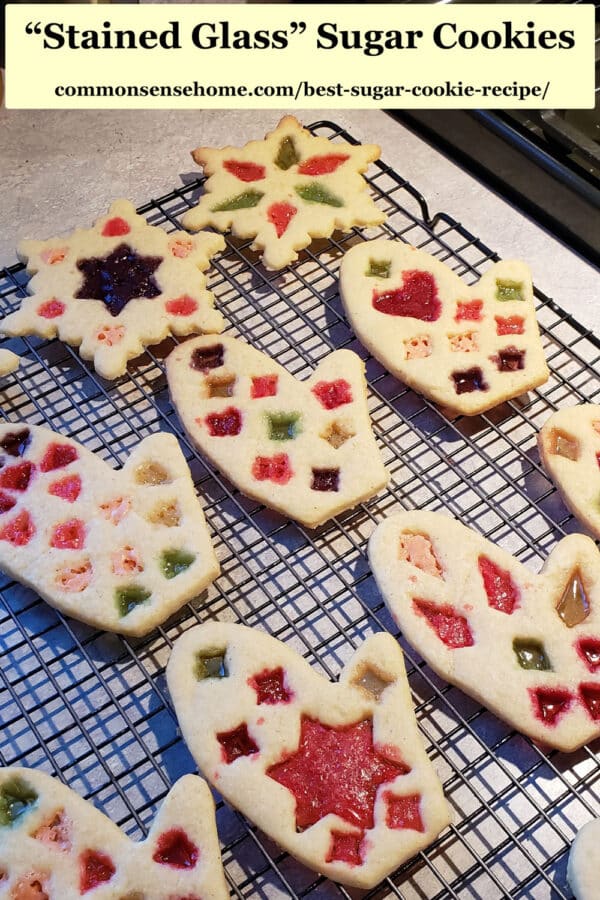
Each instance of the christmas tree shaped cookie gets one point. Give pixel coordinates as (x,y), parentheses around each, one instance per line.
(303,448)
(335,773)
(120,550)
(285,190)
(582,870)
(466,348)
(569,445)
(526,646)
(56,846)
(116,288)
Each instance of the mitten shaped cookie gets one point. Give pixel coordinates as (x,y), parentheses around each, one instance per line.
(569,444)
(335,773)
(120,550)
(54,844)
(526,646)
(116,288)
(285,190)
(466,348)
(582,871)
(303,448)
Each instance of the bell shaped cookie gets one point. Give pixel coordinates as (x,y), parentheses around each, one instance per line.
(285,190)
(582,871)
(54,844)
(569,444)
(116,288)
(526,646)
(467,348)
(120,550)
(304,449)
(335,773)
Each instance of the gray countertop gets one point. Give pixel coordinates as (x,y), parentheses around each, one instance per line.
(61,169)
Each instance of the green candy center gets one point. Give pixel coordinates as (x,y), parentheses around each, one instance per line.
(174,562)
(283,426)
(317,193)
(245,200)
(130,597)
(509,290)
(210,664)
(287,155)
(531,655)
(379,268)
(16,798)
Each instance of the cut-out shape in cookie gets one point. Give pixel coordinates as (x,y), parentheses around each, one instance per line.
(55,844)
(298,447)
(120,550)
(335,773)
(410,318)
(582,870)
(569,445)
(285,190)
(526,646)
(116,288)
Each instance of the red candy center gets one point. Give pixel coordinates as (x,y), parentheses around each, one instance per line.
(335,770)
(181,306)
(17,478)
(51,309)
(6,502)
(115,227)
(237,743)
(68,535)
(451,628)
(263,386)
(67,488)
(417,298)
(322,165)
(269,687)
(19,530)
(550,703)
(468,311)
(404,812)
(57,456)
(590,696)
(589,650)
(175,849)
(501,591)
(94,868)
(272,468)
(332,394)
(509,325)
(225,424)
(280,215)
(345,848)
(245,171)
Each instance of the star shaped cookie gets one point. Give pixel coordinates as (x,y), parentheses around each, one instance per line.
(285,190)
(116,288)
(335,773)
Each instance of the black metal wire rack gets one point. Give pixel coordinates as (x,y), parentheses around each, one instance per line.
(92,708)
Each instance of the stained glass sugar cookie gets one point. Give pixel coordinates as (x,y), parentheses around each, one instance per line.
(569,444)
(467,348)
(120,550)
(305,449)
(336,773)
(56,846)
(582,871)
(526,646)
(285,190)
(116,288)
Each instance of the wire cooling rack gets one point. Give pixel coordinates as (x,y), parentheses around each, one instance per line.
(92,708)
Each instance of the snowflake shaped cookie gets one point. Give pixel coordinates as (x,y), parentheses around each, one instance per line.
(120,550)
(305,449)
(53,843)
(569,445)
(526,646)
(468,348)
(285,190)
(116,288)
(336,773)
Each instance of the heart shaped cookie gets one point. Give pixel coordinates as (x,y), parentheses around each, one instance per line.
(285,190)
(526,646)
(116,288)
(466,348)
(120,550)
(582,871)
(335,773)
(54,844)
(304,449)
(569,444)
